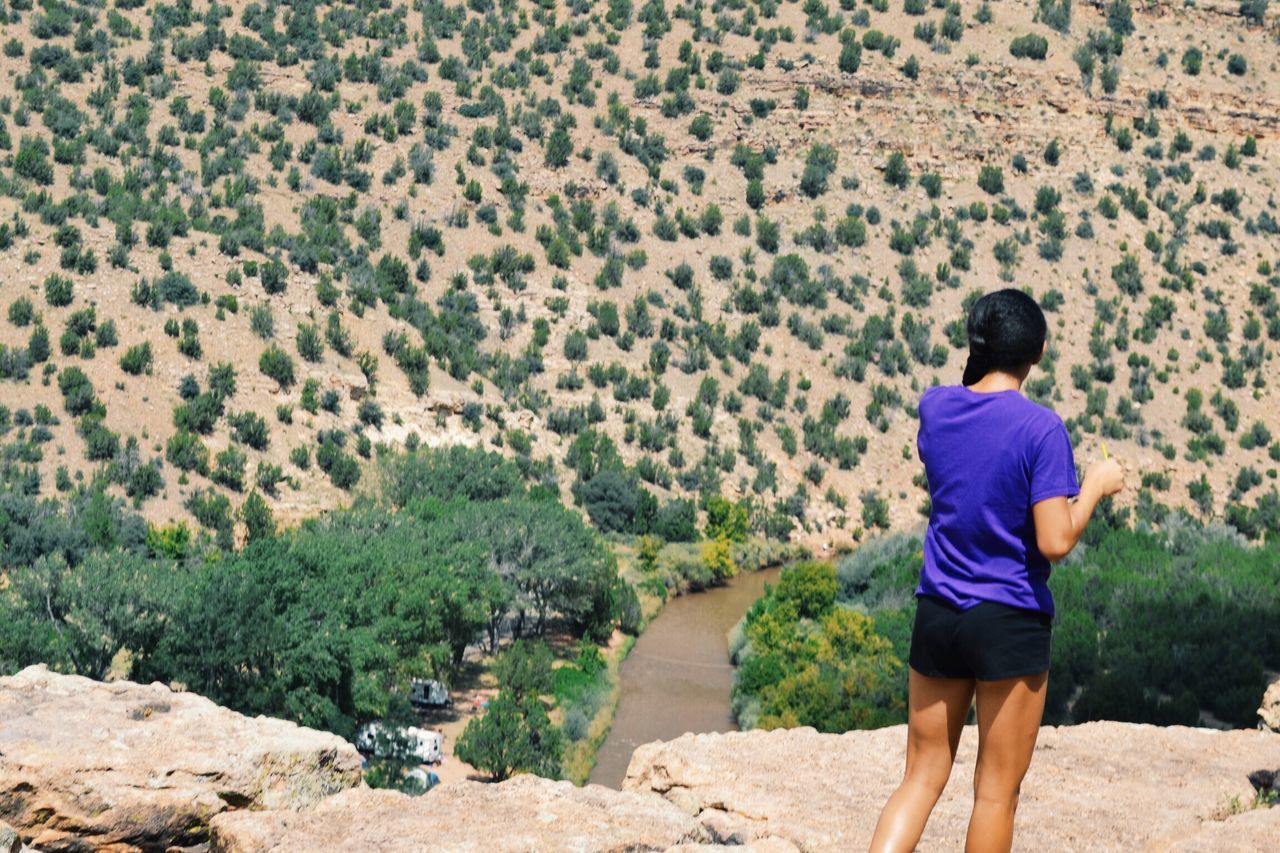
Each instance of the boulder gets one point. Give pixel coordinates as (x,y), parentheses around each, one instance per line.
(86,764)
(1269,713)
(1096,786)
(522,814)
(10,842)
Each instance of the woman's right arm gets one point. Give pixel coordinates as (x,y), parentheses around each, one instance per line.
(1060,523)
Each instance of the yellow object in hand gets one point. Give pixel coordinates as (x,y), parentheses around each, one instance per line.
(1105,455)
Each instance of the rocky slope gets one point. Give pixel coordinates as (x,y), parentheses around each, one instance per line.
(130,767)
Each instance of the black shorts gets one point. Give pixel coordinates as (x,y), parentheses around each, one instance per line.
(989,641)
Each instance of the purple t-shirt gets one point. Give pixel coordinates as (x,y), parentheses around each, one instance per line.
(989,457)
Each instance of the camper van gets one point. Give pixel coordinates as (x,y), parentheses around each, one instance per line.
(426,745)
(425,693)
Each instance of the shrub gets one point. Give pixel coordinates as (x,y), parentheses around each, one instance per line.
(186,452)
(229,469)
(274,276)
(1192,59)
(991,180)
(1029,46)
(309,341)
(137,359)
(850,58)
(810,586)
(58,291)
(613,500)
(896,171)
(249,428)
(32,160)
(21,312)
(278,365)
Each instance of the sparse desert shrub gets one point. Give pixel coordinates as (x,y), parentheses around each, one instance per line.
(137,359)
(896,172)
(58,290)
(1029,46)
(278,365)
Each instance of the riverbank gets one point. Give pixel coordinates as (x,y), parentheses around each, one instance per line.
(659,575)
(648,691)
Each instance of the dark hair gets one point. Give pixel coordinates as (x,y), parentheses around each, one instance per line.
(1006,330)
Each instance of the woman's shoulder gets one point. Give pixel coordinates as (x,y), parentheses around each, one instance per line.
(1040,423)
(937,392)
(1041,413)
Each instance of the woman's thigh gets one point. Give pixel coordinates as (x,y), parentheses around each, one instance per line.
(936,711)
(1009,715)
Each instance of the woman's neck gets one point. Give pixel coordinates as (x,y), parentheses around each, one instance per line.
(999,380)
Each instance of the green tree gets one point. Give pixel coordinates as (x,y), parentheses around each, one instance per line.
(87,614)
(511,738)
(726,520)
(524,670)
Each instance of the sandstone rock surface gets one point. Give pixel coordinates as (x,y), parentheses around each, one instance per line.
(128,767)
(87,765)
(525,813)
(1097,786)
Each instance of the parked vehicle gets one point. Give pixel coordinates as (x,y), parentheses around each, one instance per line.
(429,693)
(425,745)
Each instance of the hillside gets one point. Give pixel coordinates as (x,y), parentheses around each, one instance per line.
(736,239)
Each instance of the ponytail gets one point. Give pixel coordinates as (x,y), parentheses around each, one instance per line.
(978,366)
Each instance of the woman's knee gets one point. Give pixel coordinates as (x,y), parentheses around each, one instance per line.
(997,785)
(930,772)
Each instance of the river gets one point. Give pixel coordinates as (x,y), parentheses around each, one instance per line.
(678,677)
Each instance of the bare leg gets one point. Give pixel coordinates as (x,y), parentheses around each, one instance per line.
(1009,713)
(936,710)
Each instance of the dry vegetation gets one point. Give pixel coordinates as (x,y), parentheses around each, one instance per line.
(681,247)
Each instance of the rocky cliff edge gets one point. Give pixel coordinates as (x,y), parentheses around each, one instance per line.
(130,767)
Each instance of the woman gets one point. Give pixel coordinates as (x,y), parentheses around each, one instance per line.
(1000,471)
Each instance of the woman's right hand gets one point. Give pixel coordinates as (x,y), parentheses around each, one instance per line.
(1107,476)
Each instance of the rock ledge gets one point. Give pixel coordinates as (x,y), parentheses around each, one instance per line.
(87,764)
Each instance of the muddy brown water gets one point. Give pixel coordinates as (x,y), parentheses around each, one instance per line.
(678,677)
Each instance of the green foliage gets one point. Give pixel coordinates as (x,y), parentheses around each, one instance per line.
(1192,59)
(511,738)
(446,473)
(850,58)
(1029,46)
(1254,11)
(58,290)
(81,616)
(896,172)
(1175,585)
(515,734)
(810,586)
(615,500)
(824,666)
(277,364)
(726,520)
(991,180)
